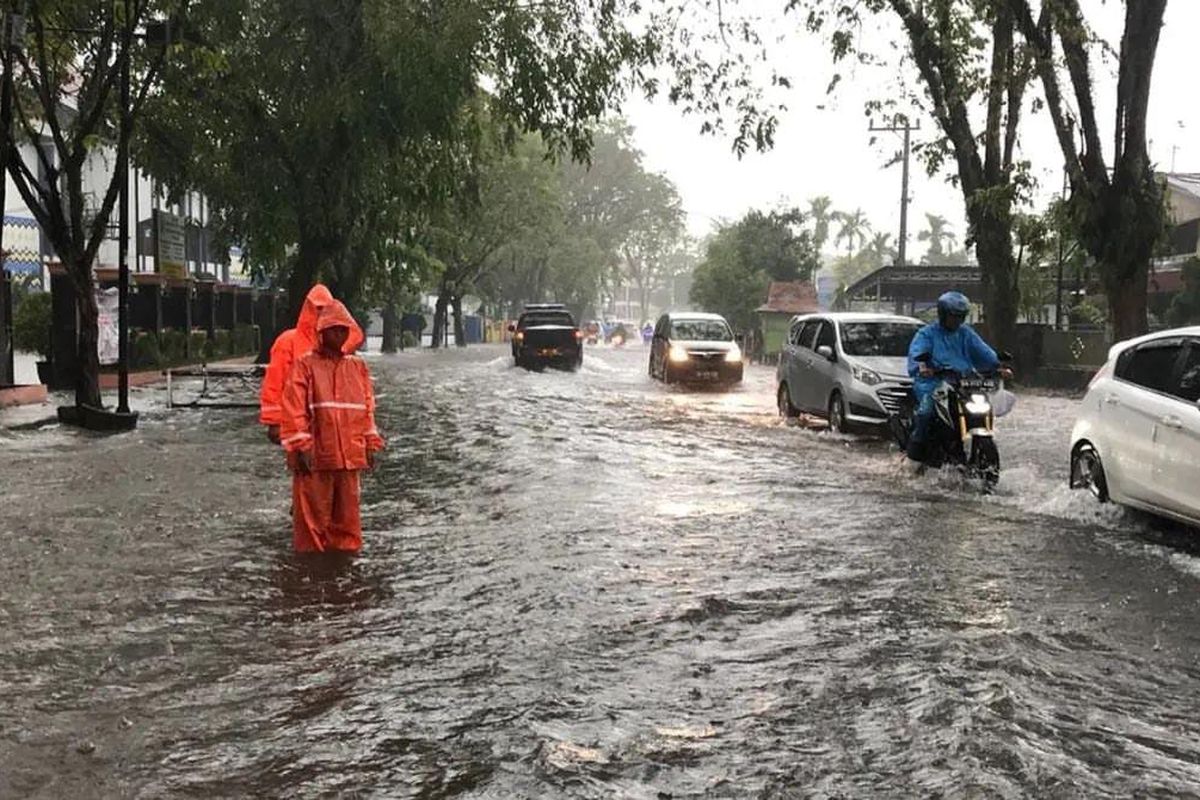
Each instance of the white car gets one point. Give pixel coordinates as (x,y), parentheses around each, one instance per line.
(1137,440)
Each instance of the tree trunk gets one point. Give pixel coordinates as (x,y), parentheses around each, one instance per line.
(460,338)
(391,329)
(439,318)
(87,383)
(1127,299)
(1124,229)
(993,246)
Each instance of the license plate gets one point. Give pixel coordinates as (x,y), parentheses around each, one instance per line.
(707,375)
(548,351)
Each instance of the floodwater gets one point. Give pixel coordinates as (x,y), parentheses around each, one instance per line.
(586,585)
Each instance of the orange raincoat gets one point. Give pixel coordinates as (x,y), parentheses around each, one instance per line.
(329,413)
(289,346)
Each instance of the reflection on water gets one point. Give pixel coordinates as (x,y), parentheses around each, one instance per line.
(585,585)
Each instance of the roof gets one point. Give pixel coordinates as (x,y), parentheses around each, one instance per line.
(674,315)
(790,297)
(1185,182)
(860,316)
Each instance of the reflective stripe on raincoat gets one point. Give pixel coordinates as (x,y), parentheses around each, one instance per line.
(329,404)
(289,346)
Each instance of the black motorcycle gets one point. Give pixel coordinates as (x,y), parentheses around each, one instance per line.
(962,433)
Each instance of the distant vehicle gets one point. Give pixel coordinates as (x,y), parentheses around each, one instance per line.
(545,335)
(593,332)
(695,348)
(1137,438)
(849,368)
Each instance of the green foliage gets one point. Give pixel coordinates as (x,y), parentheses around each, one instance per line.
(1185,307)
(244,340)
(200,345)
(742,258)
(144,353)
(172,347)
(409,339)
(31,325)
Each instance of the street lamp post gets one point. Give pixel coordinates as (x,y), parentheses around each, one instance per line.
(123,223)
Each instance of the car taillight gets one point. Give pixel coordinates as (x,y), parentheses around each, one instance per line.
(578,335)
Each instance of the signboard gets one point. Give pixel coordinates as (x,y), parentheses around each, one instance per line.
(108,342)
(22,245)
(170,244)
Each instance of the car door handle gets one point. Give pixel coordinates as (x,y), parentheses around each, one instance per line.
(1172,422)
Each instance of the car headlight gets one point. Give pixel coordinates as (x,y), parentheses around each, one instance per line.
(678,354)
(868,376)
(734,355)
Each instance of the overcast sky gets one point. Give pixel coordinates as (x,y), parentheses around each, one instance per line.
(823,145)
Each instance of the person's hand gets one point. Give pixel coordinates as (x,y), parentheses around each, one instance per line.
(273,433)
(303,463)
(370,460)
(1005,372)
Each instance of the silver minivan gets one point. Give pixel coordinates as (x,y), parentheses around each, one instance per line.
(849,368)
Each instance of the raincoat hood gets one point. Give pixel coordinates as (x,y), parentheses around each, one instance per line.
(335,314)
(306,326)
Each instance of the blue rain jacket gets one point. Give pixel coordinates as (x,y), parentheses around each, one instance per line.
(962,350)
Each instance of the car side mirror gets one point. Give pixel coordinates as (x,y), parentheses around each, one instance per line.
(512,327)
(826,352)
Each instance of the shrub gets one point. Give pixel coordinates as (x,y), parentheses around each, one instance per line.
(245,340)
(172,347)
(199,339)
(221,345)
(144,352)
(31,325)
(409,339)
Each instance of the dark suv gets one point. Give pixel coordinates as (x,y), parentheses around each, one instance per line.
(546,335)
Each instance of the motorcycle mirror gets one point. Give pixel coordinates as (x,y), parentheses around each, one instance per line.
(1004,355)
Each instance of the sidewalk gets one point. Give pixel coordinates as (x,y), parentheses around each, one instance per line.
(15,418)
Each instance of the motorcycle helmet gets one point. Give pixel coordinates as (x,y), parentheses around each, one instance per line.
(953,308)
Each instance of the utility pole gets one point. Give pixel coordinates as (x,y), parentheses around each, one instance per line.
(901,125)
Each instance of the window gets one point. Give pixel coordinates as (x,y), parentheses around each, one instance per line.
(1187,387)
(1152,364)
(539,318)
(794,332)
(827,337)
(701,330)
(878,338)
(809,333)
(660,330)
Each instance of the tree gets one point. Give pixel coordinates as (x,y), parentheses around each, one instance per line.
(66,94)
(316,126)
(1119,213)
(742,258)
(821,213)
(940,236)
(656,231)
(880,251)
(853,229)
(1185,307)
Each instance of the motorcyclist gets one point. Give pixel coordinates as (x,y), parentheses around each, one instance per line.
(948,344)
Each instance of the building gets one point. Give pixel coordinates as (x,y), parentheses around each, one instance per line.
(784,301)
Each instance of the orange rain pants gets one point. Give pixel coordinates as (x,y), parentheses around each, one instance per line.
(325,512)
(329,414)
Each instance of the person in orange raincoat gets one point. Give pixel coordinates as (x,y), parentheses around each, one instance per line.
(330,436)
(289,346)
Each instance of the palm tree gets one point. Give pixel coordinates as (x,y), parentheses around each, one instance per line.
(880,249)
(852,227)
(941,239)
(818,210)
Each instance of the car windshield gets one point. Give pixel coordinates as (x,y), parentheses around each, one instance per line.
(701,330)
(547,318)
(878,338)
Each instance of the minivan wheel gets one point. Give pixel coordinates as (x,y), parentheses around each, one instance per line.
(837,414)
(786,409)
(1087,472)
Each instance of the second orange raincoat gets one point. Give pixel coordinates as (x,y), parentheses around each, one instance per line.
(329,413)
(289,346)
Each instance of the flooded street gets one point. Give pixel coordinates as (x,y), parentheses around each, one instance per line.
(586,585)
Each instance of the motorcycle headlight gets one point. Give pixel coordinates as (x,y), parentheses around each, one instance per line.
(678,354)
(734,354)
(978,405)
(868,376)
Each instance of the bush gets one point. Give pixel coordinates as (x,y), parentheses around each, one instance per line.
(221,345)
(31,325)
(199,341)
(408,339)
(143,351)
(245,340)
(172,347)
